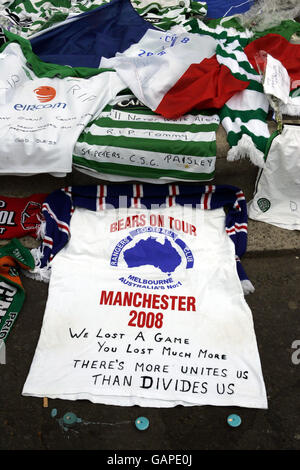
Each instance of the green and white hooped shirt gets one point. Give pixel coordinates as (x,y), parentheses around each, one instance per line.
(28,17)
(129,141)
(31,17)
(44,108)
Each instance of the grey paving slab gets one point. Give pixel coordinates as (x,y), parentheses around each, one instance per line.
(21,186)
(263,237)
(26,424)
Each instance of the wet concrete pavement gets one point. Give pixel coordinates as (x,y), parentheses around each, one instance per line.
(26,424)
(272,263)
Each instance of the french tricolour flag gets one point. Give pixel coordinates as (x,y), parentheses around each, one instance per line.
(173,73)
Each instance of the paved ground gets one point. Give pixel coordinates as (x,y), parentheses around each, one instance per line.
(272,263)
(26,424)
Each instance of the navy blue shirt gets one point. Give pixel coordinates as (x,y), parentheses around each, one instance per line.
(222,8)
(101,32)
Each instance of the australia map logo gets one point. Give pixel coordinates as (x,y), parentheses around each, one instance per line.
(151,252)
(154,247)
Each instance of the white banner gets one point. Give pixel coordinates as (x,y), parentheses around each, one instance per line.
(146,308)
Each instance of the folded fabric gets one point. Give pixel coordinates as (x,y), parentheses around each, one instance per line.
(244,116)
(289,29)
(267,14)
(292,107)
(279,48)
(13,257)
(82,40)
(169,14)
(221,8)
(174,73)
(20,216)
(30,16)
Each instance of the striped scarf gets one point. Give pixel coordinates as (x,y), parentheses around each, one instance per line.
(14,257)
(244,116)
(129,140)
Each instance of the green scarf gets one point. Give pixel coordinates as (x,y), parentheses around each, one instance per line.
(13,257)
